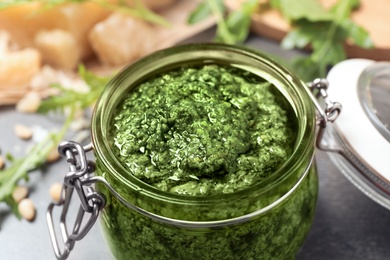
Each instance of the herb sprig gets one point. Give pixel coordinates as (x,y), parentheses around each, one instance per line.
(325,31)
(68,99)
(35,158)
(234,27)
(138,9)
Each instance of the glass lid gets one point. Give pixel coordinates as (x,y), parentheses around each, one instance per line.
(361,134)
(374,96)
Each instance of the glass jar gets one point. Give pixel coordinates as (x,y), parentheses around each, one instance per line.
(268,220)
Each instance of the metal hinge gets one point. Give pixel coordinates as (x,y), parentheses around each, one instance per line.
(325,115)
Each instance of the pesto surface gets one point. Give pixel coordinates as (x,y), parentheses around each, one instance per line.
(202,130)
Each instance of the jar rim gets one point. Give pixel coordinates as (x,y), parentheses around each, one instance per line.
(302,106)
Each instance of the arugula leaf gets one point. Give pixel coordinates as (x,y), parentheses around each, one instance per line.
(325,31)
(58,103)
(295,39)
(218,10)
(326,38)
(36,157)
(310,10)
(357,34)
(238,21)
(73,98)
(234,27)
(201,12)
(343,9)
(9,157)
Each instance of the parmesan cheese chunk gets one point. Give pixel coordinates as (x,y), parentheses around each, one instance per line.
(18,68)
(58,48)
(118,47)
(24,21)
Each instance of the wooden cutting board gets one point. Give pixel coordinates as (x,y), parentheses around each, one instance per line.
(373,15)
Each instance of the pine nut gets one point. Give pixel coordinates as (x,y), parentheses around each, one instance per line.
(19,193)
(52,156)
(2,163)
(23,132)
(55,191)
(27,209)
(29,103)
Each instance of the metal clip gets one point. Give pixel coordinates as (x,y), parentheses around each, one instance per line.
(78,178)
(330,113)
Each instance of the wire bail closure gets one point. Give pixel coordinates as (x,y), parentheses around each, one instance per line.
(78,178)
(332,110)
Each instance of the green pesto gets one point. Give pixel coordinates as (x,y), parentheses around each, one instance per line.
(202,130)
(206,130)
(277,234)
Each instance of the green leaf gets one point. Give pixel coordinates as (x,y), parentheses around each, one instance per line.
(205,9)
(325,37)
(13,205)
(295,39)
(69,97)
(238,25)
(60,102)
(304,33)
(238,21)
(202,11)
(36,157)
(357,34)
(310,10)
(235,27)
(248,7)
(275,4)
(328,54)
(139,11)
(9,176)
(219,4)
(342,9)
(307,69)
(9,157)
(326,41)
(93,81)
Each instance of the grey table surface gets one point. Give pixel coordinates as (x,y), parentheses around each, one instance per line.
(347,224)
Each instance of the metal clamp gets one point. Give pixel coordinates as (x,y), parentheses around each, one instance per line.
(78,178)
(325,115)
